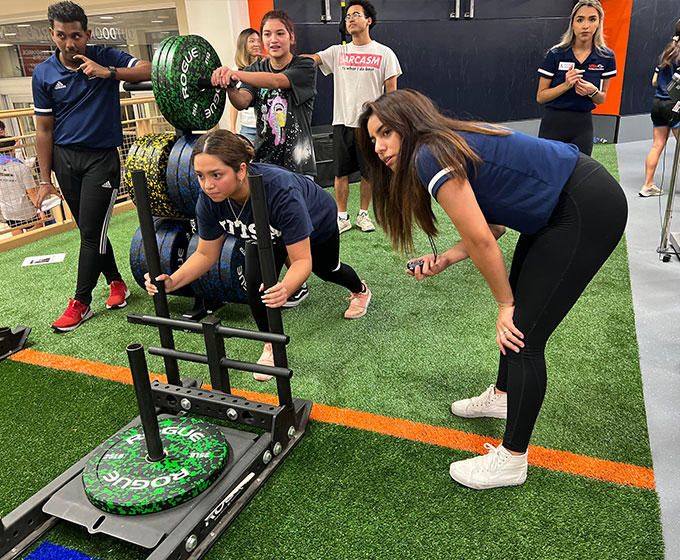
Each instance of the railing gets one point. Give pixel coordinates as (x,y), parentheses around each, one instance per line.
(20,223)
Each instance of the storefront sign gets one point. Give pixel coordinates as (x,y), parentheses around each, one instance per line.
(32,55)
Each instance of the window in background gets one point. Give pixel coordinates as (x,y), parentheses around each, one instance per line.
(25,45)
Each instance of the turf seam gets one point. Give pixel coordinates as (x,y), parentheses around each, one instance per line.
(623,474)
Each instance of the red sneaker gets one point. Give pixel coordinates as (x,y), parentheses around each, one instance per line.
(76,313)
(119,293)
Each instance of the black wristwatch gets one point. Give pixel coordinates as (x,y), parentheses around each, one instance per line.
(113,71)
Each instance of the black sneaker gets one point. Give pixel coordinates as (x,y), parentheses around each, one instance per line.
(297,297)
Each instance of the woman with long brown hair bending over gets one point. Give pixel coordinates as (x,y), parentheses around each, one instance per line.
(481,175)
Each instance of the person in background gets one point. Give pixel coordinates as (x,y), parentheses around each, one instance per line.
(363,70)
(282,89)
(248,51)
(664,119)
(78,130)
(485,178)
(18,192)
(574,78)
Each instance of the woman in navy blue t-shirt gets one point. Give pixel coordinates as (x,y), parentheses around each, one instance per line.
(574,77)
(664,119)
(481,175)
(303,223)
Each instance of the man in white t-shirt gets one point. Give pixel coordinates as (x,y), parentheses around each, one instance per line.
(364,69)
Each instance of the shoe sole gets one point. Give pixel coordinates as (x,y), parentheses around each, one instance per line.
(68,329)
(365,309)
(344,229)
(296,302)
(467,415)
(369,230)
(454,475)
(651,194)
(127,295)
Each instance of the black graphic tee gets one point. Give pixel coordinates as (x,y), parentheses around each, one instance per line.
(284,116)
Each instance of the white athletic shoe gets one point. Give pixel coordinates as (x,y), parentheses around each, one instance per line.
(365,223)
(497,468)
(652,190)
(344,224)
(486,405)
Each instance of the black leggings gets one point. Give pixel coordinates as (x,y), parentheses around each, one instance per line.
(89,180)
(550,270)
(325,264)
(571,127)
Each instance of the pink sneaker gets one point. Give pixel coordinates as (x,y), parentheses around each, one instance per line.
(76,313)
(266,359)
(358,303)
(119,293)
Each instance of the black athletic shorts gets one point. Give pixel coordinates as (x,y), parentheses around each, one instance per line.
(347,156)
(662,113)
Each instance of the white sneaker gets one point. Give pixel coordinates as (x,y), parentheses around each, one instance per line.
(497,468)
(364,222)
(486,405)
(652,190)
(344,224)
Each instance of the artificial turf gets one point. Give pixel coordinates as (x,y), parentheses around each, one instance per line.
(346,493)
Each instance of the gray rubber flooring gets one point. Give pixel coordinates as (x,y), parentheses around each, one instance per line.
(656,299)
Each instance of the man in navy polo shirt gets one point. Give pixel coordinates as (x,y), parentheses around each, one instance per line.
(77,106)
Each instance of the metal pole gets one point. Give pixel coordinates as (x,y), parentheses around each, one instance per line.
(140,379)
(153,263)
(265,250)
(666,229)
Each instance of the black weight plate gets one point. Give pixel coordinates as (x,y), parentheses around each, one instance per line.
(119,479)
(183,185)
(175,83)
(225,281)
(172,238)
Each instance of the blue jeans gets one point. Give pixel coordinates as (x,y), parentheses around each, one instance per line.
(249,133)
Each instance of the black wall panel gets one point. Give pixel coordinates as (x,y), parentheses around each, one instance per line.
(482,68)
(652,26)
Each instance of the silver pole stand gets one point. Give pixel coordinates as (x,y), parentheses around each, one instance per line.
(670,242)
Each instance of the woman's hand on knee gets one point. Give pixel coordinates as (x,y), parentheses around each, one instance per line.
(507,334)
(275,296)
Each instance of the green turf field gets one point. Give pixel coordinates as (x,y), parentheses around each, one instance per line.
(347,493)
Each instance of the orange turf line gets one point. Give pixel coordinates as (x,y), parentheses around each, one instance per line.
(591,467)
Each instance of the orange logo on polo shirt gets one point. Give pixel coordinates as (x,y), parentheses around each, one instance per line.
(596,67)
(360,60)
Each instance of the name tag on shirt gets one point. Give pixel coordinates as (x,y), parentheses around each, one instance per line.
(566,66)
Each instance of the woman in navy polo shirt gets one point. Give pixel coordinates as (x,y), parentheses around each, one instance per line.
(481,174)
(574,77)
(302,217)
(663,118)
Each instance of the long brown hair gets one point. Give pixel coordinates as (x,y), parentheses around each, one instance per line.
(399,198)
(672,51)
(243,58)
(230,148)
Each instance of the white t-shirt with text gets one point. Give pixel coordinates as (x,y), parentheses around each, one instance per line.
(360,73)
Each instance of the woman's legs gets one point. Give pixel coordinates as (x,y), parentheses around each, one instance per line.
(559,263)
(660,137)
(551,270)
(574,127)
